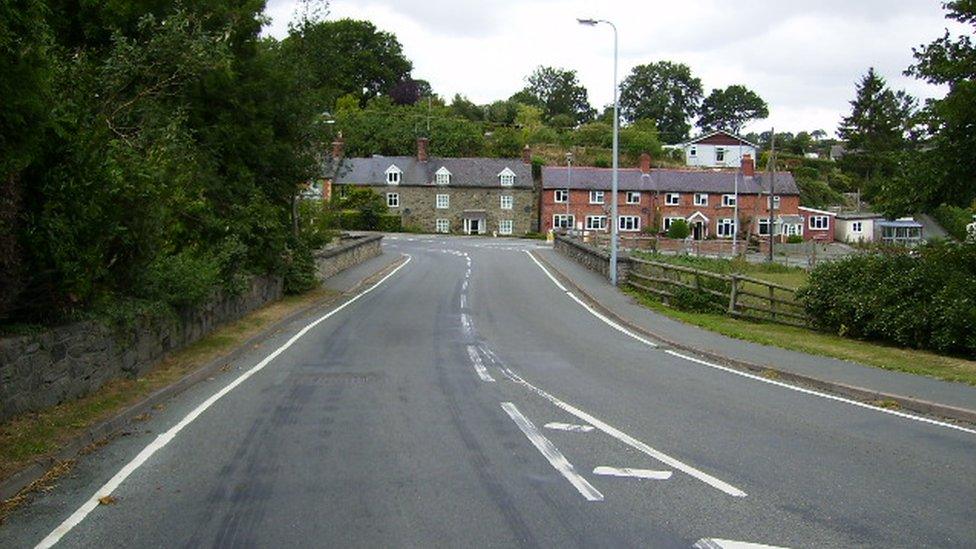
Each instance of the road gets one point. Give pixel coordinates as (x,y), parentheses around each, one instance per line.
(468,400)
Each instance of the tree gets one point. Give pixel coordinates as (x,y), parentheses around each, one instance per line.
(664,92)
(405,92)
(462,107)
(501,112)
(731,108)
(640,137)
(679,229)
(558,92)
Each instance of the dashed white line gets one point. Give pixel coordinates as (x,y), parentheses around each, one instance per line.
(466,323)
(164,438)
(715,543)
(551,453)
(571,427)
(479,367)
(464,301)
(634,473)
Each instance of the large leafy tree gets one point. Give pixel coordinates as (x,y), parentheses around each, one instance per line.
(664,92)
(558,93)
(731,108)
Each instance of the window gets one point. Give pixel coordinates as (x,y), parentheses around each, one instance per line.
(728,200)
(772,202)
(442,177)
(563,221)
(693,151)
(506,178)
(701,199)
(719,154)
(794,229)
(672,199)
(506,202)
(726,228)
(505,226)
(560,196)
(596,222)
(628,223)
(856,227)
(443,225)
(633,197)
(819,222)
(764,226)
(392,200)
(443,201)
(596,197)
(669,220)
(393,175)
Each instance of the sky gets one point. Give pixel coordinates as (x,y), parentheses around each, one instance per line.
(803,58)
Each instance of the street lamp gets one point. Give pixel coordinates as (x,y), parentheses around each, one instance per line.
(616,130)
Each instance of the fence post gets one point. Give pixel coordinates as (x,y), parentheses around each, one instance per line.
(772,304)
(733,294)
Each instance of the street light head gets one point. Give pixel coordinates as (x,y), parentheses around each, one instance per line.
(588,22)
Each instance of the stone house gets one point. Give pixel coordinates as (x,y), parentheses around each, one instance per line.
(649,200)
(444,195)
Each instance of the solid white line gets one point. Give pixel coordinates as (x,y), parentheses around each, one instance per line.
(551,453)
(821,394)
(163,439)
(715,543)
(464,301)
(633,442)
(635,473)
(570,427)
(591,310)
(466,323)
(478,365)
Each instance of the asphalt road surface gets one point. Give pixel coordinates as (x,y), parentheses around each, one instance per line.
(468,400)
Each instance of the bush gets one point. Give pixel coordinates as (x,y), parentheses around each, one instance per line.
(389,223)
(794,239)
(922,300)
(686,299)
(953,219)
(351,220)
(180,280)
(679,229)
(300,272)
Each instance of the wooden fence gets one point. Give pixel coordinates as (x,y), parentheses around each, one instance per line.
(739,295)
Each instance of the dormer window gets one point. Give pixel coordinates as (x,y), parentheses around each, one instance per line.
(506,178)
(442,176)
(393,175)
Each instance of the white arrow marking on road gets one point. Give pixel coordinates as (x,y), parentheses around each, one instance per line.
(635,473)
(715,543)
(551,453)
(572,428)
(478,365)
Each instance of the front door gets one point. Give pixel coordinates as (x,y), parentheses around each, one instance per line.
(472,226)
(698,230)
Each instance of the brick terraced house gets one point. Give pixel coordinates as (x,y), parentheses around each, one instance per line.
(444,195)
(649,200)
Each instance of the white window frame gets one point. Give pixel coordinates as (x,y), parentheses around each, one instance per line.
(596,197)
(728,200)
(633,197)
(667,221)
(443,201)
(392,200)
(672,199)
(442,225)
(763,221)
(596,223)
(559,221)
(393,175)
(505,226)
(506,201)
(442,176)
(506,178)
(772,202)
(857,226)
(701,199)
(817,220)
(560,193)
(693,151)
(794,229)
(720,154)
(725,227)
(628,223)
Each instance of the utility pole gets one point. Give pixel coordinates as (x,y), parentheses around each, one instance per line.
(772,193)
(569,178)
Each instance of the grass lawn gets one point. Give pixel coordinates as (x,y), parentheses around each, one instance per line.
(820,343)
(793,277)
(28,437)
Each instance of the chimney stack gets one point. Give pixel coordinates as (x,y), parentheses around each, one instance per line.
(645,163)
(527,154)
(422,149)
(748,166)
(338,148)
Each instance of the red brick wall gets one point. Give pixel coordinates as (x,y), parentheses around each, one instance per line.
(820,235)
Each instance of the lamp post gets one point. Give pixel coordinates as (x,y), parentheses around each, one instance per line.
(616,131)
(569,178)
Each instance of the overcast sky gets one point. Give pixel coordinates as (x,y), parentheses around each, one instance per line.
(802,57)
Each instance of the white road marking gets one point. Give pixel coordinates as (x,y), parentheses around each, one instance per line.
(466,323)
(464,285)
(572,428)
(164,438)
(591,310)
(551,453)
(467,273)
(821,394)
(496,361)
(478,365)
(633,442)
(635,473)
(464,301)
(715,543)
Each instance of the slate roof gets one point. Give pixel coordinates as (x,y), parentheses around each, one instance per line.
(666,180)
(465,172)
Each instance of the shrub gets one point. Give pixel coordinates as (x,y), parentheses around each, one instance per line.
(389,223)
(351,220)
(679,229)
(953,219)
(794,239)
(922,300)
(181,279)
(300,273)
(686,299)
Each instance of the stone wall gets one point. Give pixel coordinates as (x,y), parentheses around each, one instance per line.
(350,251)
(69,362)
(592,258)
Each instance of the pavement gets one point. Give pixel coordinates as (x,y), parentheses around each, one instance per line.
(467,400)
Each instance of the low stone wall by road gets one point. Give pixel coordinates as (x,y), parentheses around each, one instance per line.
(69,362)
(592,258)
(349,252)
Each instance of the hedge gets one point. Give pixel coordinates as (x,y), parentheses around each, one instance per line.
(389,223)
(921,299)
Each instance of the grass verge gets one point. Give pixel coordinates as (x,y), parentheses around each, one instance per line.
(819,343)
(31,436)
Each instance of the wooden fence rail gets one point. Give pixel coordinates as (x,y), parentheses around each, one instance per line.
(739,295)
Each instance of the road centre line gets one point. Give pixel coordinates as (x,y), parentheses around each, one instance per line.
(552,454)
(632,473)
(479,367)
(464,301)
(163,439)
(586,306)
(570,427)
(715,543)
